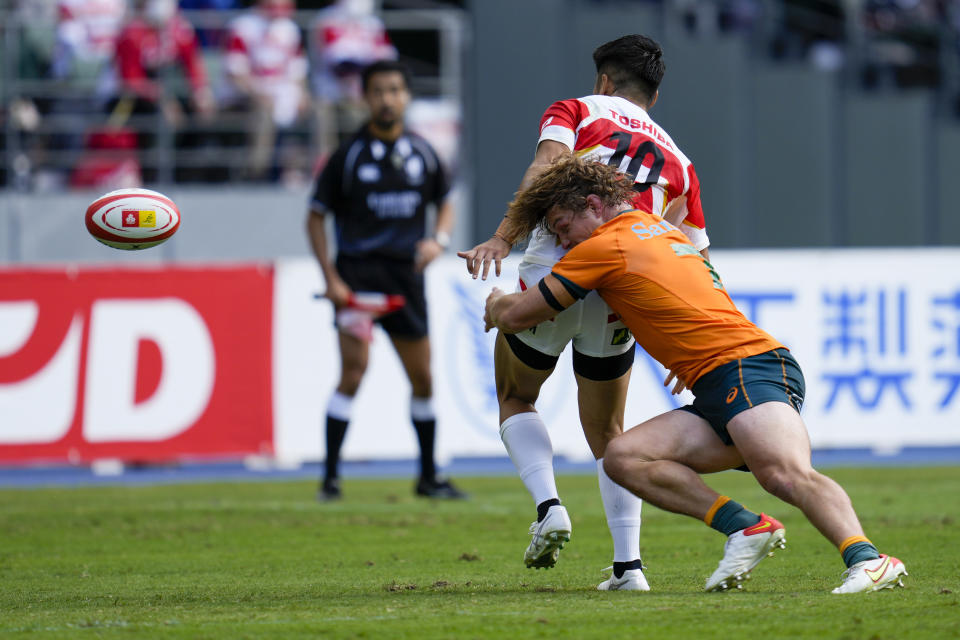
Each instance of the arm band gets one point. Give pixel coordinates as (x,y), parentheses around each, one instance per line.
(549,297)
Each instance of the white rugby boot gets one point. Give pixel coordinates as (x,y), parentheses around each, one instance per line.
(631,580)
(873,575)
(549,536)
(744,550)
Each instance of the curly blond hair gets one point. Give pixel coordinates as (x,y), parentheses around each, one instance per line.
(566,183)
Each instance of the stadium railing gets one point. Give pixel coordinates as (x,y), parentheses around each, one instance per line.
(45,123)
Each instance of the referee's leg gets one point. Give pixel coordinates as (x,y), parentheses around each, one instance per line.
(354,355)
(415,355)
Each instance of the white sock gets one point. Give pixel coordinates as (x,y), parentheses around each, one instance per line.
(528,444)
(421,408)
(623,516)
(339,406)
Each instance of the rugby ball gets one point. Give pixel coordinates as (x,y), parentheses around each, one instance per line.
(132,219)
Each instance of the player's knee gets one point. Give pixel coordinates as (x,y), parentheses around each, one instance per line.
(512,393)
(608,433)
(616,459)
(783,482)
(422,384)
(350,379)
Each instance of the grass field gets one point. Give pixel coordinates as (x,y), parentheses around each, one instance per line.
(248,560)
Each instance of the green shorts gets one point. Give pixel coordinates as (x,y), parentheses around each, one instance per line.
(739,385)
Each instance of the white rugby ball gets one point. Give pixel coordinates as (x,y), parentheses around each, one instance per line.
(132,218)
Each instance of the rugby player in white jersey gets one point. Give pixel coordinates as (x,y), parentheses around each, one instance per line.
(613,126)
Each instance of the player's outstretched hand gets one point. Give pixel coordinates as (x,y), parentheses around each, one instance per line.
(678,387)
(493,250)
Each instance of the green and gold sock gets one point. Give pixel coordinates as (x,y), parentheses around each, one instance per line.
(857,549)
(728,516)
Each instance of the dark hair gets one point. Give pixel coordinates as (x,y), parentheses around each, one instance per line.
(634,63)
(386,66)
(566,183)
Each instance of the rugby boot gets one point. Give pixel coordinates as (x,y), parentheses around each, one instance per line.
(631,580)
(744,550)
(873,575)
(329,490)
(438,488)
(549,536)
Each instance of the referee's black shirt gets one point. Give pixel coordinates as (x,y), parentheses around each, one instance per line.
(379,192)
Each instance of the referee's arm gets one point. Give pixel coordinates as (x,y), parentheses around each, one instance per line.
(430,248)
(444,227)
(337,290)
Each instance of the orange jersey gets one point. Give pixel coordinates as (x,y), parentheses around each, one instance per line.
(669,296)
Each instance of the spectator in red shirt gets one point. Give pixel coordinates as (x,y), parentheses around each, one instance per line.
(154,38)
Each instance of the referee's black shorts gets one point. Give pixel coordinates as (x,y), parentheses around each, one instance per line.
(390,275)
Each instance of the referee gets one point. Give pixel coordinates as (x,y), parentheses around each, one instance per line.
(378,187)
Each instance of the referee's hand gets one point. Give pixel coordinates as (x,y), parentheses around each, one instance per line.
(337,292)
(427,251)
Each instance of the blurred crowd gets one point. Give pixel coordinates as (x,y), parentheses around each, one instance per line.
(263,90)
(129,73)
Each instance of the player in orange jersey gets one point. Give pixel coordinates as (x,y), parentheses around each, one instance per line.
(748,389)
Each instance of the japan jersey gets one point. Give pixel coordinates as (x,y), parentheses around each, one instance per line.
(617,132)
(88,28)
(269,50)
(344,41)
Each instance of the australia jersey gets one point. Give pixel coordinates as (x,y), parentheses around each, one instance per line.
(379,192)
(617,132)
(666,293)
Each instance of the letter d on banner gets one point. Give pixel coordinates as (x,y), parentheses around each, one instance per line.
(188,368)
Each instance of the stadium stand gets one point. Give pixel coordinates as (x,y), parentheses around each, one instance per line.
(59,131)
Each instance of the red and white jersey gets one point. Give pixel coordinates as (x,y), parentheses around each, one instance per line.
(345,40)
(269,50)
(89,28)
(617,132)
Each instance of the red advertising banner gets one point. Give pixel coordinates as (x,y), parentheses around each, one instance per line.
(140,364)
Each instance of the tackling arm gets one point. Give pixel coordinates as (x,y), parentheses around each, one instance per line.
(514,312)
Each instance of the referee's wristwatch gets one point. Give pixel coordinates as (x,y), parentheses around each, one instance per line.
(442,238)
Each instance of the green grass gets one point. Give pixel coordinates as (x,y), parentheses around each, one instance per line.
(264,559)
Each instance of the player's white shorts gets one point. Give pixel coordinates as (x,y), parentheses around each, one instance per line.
(591,325)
